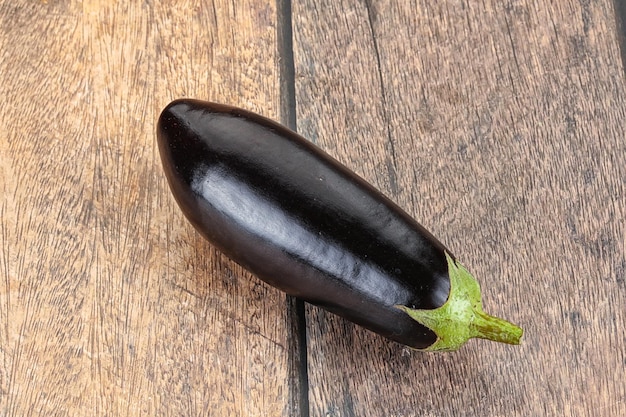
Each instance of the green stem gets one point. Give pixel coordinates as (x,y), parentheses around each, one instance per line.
(462,317)
(493,328)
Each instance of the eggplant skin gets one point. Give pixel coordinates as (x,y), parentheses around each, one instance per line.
(300,220)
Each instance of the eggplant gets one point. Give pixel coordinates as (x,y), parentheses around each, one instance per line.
(304,223)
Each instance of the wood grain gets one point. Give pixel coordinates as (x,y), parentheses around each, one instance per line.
(500,127)
(110,302)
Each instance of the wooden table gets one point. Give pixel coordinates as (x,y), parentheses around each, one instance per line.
(501,126)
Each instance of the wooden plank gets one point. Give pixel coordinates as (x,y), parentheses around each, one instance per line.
(501,128)
(110,303)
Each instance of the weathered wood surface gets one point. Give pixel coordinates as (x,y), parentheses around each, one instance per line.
(110,303)
(500,126)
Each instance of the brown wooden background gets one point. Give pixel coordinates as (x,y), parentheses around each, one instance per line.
(500,125)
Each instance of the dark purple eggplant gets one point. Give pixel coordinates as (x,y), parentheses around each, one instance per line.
(304,223)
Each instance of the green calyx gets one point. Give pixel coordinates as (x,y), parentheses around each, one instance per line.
(462,317)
